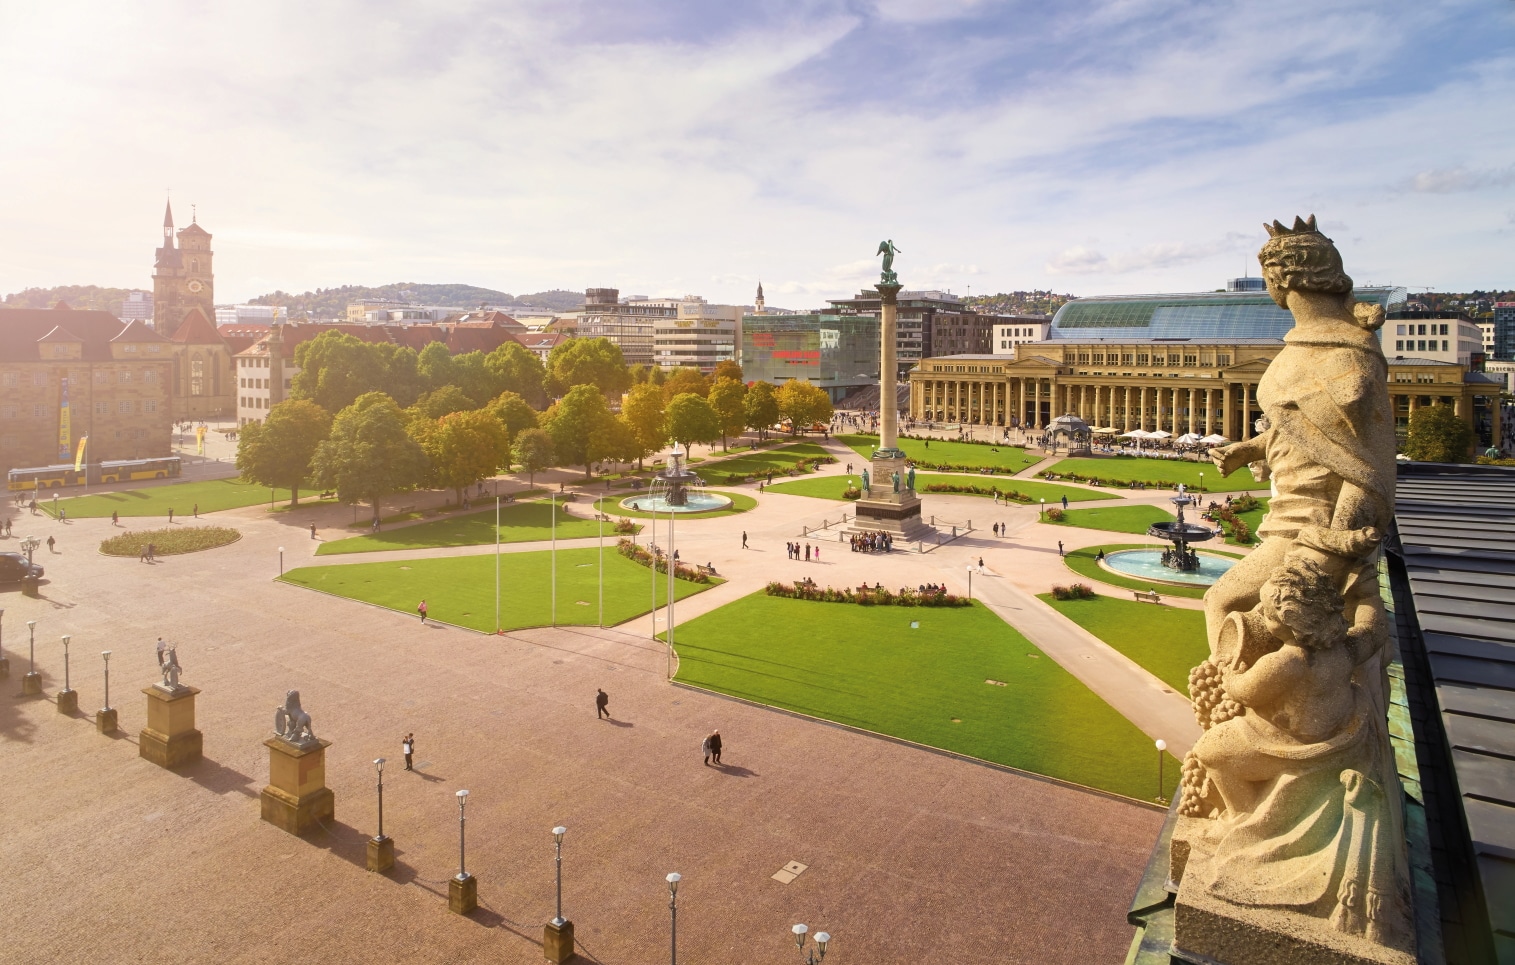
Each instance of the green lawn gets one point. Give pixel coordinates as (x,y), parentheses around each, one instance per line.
(779,460)
(1007,459)
(866,667)
(1114,519)
(611,506)
(460,589)
(1082,562)
(519,523)
(1253,518)
(211,496)
(830,487)
(1165,641)
(1142,469)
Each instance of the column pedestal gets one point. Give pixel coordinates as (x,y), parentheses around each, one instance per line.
(557,942)
(31,684)
(381,853)
(105,720)
(463,895)
(170,738)
(68,702)
(297,797)
(882,509)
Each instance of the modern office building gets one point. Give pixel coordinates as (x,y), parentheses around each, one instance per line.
(1013,330)
(839,353)
(137,306)
(231,316)
(1183,363)
(629,324)
(928,323)
(1504,330)
(1444,336)
(700,336)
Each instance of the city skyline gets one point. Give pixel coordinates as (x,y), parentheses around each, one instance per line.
(668,148)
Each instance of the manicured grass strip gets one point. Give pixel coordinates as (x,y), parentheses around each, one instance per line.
(1083,563)
(212,497)
(1165,641)
(1142,469)
(866,667)
(830,487)
(611,506)
(1252,517)
(1113,519)
(460,589)
(170,541)
(1010,459)
(779,460)
(519,523)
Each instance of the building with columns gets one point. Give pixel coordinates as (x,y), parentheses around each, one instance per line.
(1178,363)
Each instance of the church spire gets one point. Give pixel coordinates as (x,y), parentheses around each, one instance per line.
(168,224)
(758,305)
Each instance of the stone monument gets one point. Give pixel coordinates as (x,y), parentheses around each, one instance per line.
(886,505)
(1289,846)
(170,738)
(296,798)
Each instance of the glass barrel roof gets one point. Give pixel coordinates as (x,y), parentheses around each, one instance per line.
(1197,316)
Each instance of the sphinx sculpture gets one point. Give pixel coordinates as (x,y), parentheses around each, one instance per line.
(1289,802)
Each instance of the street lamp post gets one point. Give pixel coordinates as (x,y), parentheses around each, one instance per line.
(673,918)
(463,888)
(281,561)
(557,937)
(5,662)
(381,849)
(1201,482)
(970,583)
(105,717)
(31,684)
(821,941)
(1043,511)
(1162,747)
(68,698)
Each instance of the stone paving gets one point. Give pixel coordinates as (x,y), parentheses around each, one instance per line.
(911,855)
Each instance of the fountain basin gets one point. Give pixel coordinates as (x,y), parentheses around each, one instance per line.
(1148,565)
(1186,532)
(694,502)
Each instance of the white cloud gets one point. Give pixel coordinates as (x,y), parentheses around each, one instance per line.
(1458,179)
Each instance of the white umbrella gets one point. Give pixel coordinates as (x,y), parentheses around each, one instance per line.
(1160,434)
(1189,437)
(1215,440)
(1136,434)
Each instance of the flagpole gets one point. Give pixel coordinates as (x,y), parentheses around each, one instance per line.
(602,568)
(672,569)
(497,563)
(554,500)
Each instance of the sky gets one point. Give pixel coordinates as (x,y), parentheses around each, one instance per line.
(697,147)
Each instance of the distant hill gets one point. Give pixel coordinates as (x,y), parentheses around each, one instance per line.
(1474,303)
(333,302)
(82,297)
(1019,303)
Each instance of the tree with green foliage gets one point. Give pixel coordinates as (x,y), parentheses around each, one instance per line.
(617,441)
(683,380)
(762,406)
(336,368)
(402,381)
(369,455)
(441,401)
(514,416)
(728,398)
(728,369)
(465,447)
(646,415)
(691,419)
(578,424)
(533,453)
(1438,434)
(277,451)
(802,404)
(516,369)
(434,366)
(471,373)
(587,361)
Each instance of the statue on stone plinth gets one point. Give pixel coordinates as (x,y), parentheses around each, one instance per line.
(171,669)
(1293,783)
(887,249)
(292,723)
(866,485)
(894,477)
(911,479)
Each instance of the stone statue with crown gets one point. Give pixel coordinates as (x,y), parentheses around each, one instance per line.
(1289,844)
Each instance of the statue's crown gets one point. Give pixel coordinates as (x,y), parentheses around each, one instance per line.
(1301,227)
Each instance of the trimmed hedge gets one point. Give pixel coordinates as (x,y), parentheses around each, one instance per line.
(876,596)
(637,554)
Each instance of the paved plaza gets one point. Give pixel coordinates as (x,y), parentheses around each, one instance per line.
(911,855)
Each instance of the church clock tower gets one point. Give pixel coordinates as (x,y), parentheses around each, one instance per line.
(182,276)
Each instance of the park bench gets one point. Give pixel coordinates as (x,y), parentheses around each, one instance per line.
(705,570)
(603,518)
(1146,596)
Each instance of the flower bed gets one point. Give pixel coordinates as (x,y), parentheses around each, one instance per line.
(640,555)
(875,596)
(1077,591)
(1010,494)
(172,541)
(1110,482)
(801,466)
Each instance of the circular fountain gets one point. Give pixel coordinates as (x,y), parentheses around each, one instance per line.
(675,489)
(1178,563)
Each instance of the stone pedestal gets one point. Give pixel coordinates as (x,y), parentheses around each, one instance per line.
(31,684)
(381,853)
(882,509)
(105,720)
(68,702)
(297,797)
(463,895)
(1208,928)
(170,738)
(557,942)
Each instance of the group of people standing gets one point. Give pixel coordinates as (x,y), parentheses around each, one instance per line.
(797,549)
(879,542)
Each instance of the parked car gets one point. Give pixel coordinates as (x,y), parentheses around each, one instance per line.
(14,568)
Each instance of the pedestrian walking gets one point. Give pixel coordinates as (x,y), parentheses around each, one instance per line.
(601,704)
(197,510)
(50,542)
(744,539)
(705,748)
(1059,547)
(161,647)
(142,555)
(170,514)
(1065,500)
(980,566)
(152,552)
(807,549)
(817,553)
(422,610)
(408,745)
(715,747)
(62,515)
(115,518)
(312,530)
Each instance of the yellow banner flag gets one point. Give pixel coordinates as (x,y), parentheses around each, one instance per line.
(79,459)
